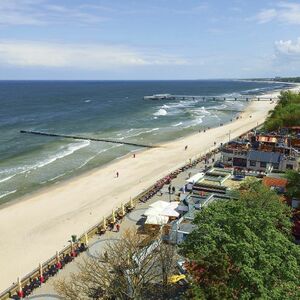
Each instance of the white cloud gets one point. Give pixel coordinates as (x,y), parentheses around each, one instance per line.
(288,48)
(39,12)
(266,15)
(94,56)
(284,12)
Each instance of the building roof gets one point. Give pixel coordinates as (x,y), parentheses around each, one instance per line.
(263,156)
(272,181)
(268,139)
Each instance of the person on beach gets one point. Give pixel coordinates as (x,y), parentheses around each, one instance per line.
(133,155)
(185,148)
(118,227)
(106,255)
(117,174)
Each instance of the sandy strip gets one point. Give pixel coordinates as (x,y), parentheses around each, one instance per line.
(33,229)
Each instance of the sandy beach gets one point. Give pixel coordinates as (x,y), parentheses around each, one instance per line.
(33,228)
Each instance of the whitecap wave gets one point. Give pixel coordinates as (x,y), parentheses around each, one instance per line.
(161,112)
(138,133)
(7,178)
(66,151)
(177,124)
(7,193)
(217,107)
(70,150)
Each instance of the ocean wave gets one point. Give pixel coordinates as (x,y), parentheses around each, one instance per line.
(195,122)
(201,111)
(177,124)
(160,112)
(71,148)
(99,152)
(138,133)
(7,193)
(7,178)
(222,106)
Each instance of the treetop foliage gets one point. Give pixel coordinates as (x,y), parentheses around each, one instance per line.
(286,112)
(243,249)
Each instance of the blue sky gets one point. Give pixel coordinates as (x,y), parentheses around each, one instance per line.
(148,39)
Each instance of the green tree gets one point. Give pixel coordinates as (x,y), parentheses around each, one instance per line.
(293,186)
(286,112)
(243,249)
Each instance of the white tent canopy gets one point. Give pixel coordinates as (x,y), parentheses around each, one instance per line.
(160,204)
(157,220)
(169,212)
(160,211)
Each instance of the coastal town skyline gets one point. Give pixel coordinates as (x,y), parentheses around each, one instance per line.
(42,39)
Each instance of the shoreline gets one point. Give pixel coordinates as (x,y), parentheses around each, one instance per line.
(34,231)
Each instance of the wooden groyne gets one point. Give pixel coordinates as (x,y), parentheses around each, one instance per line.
(87,138)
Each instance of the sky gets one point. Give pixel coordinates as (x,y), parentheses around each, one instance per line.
(148,39)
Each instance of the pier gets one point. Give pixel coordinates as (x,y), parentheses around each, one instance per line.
(87,138)
(210,98)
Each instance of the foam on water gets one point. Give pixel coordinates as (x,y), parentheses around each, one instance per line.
(177,124)
(7,193)
(66,151)
(161,112)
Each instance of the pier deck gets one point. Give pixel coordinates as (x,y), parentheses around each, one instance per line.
(217,98)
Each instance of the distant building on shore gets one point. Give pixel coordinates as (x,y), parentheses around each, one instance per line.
(262,153)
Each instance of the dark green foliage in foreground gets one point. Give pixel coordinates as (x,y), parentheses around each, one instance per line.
(286,113)
(293,186)
(243,249)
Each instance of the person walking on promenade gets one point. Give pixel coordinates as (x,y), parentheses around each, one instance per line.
(118,227)
(173,189)
(169,188)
